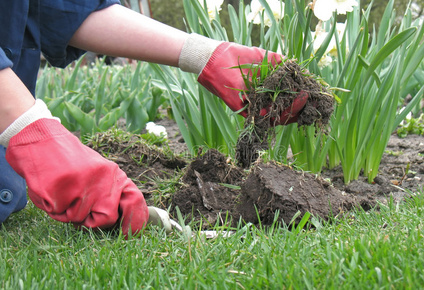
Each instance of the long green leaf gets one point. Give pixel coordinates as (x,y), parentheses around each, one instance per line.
(100,97)
(388,48)
(86,121)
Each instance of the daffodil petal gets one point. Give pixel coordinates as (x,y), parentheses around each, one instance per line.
(323,9)
(344,6)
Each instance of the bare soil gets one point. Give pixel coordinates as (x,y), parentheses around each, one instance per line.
(257,194)
(217,191)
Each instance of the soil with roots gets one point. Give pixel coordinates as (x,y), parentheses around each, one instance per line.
(277,93)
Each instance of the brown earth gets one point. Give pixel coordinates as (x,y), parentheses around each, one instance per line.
(222,193)
(213,189)
(143,163)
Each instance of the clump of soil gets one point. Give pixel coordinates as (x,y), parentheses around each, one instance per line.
(277,93)
(206,192)
(270,188)
(256,195)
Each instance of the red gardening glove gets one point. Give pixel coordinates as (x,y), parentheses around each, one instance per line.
(221,78)
(72,182)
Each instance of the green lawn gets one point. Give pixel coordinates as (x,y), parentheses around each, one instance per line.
(364,250)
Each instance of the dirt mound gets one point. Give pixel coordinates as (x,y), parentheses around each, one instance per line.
(217,192)
(206,191)
(271,188)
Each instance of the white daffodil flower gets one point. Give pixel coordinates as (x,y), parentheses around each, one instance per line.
(323,9)
(157,130)
(214,6)
(408,116)
(319,36)
(325,61)
(256,10)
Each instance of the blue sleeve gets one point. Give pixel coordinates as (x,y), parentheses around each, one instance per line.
(59,21)
(4,60)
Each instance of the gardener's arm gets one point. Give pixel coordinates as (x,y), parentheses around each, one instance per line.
(15,99)
(118,31)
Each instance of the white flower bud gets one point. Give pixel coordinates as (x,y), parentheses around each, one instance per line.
(157,130)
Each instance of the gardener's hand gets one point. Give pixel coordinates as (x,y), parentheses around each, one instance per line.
(217,65)
(68,180)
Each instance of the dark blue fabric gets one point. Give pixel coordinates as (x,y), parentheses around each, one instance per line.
(33,26)
(13,194)
(29,28)
(4,60)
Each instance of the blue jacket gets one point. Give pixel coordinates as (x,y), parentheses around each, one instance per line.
(29,28)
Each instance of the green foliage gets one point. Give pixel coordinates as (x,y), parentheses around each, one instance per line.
(375,70)
(204,121)
(161,12)
(411,126)
(154,139)
(412,87)
(92,99)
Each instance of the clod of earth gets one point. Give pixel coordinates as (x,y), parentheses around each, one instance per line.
(277,93)
(258,194)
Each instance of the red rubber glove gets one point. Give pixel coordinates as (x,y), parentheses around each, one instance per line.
(216,62)
(72,182)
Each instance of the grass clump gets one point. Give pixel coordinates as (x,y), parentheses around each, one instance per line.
(138,156)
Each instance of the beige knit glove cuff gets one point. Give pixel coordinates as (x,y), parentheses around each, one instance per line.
(196,51)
